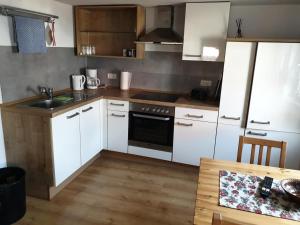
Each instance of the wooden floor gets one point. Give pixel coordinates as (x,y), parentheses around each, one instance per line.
(121,189)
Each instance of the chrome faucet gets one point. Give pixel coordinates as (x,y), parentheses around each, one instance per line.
(47,91)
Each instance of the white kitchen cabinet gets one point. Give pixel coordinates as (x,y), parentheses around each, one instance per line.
(103,123)
(117,105)
(275,98)
(227,141)
(193,140)
(66,144)
(196,114)
(205,31)
(117,131)
(236,84)
(292,151)
(90,130)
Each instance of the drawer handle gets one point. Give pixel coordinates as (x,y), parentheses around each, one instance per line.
(195,56)
(185,124)
(117,104)
(116,115)
(230,118)
(259,122)
(88,109)
(194,116)
(257,134)
(72,116)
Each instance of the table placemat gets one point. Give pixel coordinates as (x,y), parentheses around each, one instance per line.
(239,191)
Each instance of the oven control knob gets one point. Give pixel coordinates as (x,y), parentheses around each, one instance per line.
(147,109)
(158,110)
(143,109)
(162,111)
(154,110)
(167,111)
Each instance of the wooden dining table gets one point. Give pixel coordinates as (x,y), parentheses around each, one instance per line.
(207,200)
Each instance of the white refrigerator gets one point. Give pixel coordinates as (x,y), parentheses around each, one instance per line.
(274,109)
(260,98)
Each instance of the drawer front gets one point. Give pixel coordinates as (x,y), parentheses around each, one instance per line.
(193,140)
(117,105)
(196,114)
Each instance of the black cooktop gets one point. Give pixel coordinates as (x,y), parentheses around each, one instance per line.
(154,96)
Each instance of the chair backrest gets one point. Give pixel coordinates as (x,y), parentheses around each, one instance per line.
(218,219)
(262,143)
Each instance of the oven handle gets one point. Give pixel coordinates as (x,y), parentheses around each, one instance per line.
(151,117)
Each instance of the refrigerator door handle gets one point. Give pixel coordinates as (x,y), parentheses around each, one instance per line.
(257,134)
(259,122)
(230,118)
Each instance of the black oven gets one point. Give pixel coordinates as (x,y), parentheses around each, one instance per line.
(151,126)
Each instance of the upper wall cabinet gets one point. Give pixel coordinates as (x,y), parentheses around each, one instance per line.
(110,30)
(205,31)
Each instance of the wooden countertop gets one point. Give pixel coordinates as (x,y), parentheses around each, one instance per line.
(208,192)
(106,93)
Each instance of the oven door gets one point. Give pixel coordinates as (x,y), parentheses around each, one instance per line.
(151,131)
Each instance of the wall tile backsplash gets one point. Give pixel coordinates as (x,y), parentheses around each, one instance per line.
(162,71)
(20,75)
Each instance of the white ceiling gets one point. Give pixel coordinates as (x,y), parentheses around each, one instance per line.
(165,2)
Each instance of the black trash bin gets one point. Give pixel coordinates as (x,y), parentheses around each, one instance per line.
(12,195)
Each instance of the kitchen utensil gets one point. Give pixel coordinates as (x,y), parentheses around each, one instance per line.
(93,82)
(125,80)
(91,73)
(78,82)
(292,188)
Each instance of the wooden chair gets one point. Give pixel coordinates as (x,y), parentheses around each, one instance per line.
(218,219)
(262,142)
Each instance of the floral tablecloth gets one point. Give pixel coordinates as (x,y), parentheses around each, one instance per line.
(239,191)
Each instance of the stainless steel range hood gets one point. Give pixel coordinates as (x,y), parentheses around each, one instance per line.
(164,33)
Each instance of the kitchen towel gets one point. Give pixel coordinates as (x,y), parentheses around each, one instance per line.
(239,191)
(30,35)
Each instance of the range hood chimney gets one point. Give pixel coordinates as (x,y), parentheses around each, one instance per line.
(164,33)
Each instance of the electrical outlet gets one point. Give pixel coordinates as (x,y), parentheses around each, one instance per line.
(205,83)
(111,76)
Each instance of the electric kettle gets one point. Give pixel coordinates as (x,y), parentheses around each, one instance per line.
(78,82)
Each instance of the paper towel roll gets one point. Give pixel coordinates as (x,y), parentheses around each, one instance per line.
(125,80)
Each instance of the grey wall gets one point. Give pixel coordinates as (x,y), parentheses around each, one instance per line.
(159,71)
(20,75)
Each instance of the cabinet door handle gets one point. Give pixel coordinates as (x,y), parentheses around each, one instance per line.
(194,116)
(88,109)
(116,104)
(230,118)
(116,115)
(185,124)
(72,116)
(194,56)
(257,134)
(259,122)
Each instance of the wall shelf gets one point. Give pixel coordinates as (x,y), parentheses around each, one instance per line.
(110,29)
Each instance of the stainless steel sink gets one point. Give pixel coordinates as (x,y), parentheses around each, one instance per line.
(58,101)
(47,104)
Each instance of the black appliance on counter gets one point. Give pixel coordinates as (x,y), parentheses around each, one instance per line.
(200,93)
(152,126)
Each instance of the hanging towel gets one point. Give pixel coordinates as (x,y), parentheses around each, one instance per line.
(30,35)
